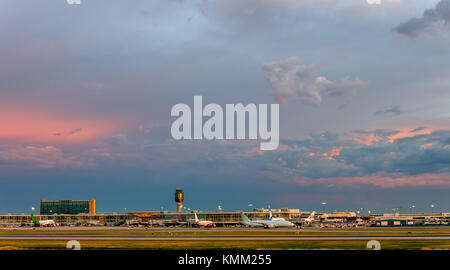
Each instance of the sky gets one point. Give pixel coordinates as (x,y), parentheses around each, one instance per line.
(364,91)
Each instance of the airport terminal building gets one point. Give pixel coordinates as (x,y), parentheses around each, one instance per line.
(150,218)
(82,213)
(105,219)
(221,219)
(67,207)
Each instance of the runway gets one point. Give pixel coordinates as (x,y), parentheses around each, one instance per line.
(226,238)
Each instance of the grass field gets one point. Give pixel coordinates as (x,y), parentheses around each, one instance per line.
(247,245)
(179,244)
(362,231)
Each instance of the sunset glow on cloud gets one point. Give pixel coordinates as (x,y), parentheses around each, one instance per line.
(29,125)
(386,182)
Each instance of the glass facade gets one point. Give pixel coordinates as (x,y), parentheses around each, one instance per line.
(67,207)
(65,220)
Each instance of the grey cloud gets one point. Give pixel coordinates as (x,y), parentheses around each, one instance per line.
(74,131)
(346,85)
(116,139)
(418,129)
(431,17)
(442,137)
(288,78)
(361,131)
(385,132)
(411,156)
(394,110)
(58,134)
(38,156)
(406,156)
(334,155)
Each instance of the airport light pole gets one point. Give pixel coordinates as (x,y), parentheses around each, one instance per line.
(323,206)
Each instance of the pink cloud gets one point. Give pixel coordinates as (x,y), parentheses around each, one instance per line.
(311,198)
(423,180)
(403,132)
(24,124)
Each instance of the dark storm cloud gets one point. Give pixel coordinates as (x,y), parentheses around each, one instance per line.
(330,156)
(326,155)
(420,154)
(431,17)
(442,137)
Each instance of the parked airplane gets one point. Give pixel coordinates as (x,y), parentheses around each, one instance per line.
(203,223)
(273,218)
(248,222)
(311,217)
(43,223)
(271,223)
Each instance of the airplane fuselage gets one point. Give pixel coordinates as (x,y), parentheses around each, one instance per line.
(271,223)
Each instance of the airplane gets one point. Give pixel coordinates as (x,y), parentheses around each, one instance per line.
(271,223)
(43,223)
(203,223)
(169,223)
(271,216)
(311,217)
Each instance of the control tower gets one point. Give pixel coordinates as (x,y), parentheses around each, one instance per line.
(179,196)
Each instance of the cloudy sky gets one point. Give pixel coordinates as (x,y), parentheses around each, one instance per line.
(364,91)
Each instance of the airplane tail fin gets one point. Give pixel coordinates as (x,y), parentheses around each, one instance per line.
(33,218)
(195,216)
(270,214)
(244,217)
